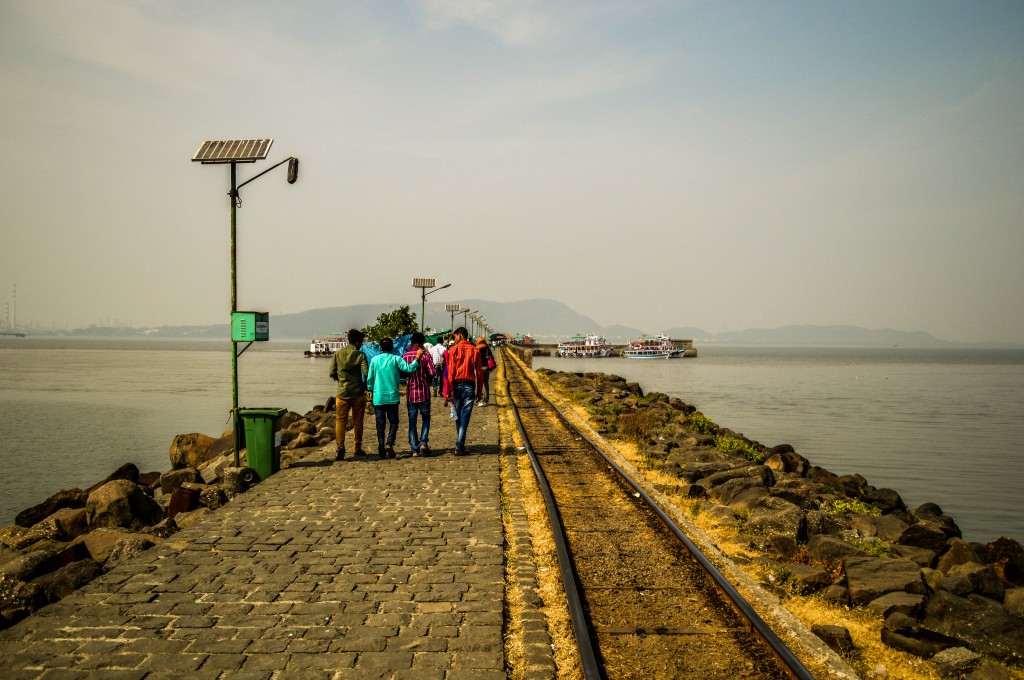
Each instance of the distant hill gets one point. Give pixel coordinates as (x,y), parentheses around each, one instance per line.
(550,321)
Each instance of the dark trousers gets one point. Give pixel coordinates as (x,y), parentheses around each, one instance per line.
(390,413)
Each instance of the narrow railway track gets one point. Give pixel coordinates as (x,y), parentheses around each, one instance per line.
(645,603)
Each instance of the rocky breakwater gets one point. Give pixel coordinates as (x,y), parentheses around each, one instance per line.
(75,535)
(813,532)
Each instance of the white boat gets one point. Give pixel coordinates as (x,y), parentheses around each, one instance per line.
(585,347)
(325,347)
(657,347)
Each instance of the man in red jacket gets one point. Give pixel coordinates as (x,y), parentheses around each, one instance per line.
(463,380)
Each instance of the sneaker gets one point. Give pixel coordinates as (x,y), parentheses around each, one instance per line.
(456,452)
(359,453)
(339,454)
(415,453)
(382,454)
(390,451)
(424,450)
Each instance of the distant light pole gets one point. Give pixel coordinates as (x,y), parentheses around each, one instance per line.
(452,308)
(465,311)
(423,284)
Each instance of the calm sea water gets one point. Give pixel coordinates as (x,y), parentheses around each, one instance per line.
(945,426)
(73,410)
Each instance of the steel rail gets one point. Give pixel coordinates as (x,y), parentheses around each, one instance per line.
(779,648)
(581,630)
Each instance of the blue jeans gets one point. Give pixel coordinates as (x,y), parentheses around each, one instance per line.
(422,410)
(462,399)
(390,412)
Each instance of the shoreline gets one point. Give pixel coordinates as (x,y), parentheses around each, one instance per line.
(779,532)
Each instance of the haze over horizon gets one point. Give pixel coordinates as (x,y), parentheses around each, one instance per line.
(722,165)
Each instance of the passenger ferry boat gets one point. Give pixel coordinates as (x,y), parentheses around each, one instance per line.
(585,347)
(325,347)
(658,347)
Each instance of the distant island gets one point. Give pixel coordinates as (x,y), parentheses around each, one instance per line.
(549,321)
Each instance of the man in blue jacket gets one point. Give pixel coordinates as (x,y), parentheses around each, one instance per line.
(382,381)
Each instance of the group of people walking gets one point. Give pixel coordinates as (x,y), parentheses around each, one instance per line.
(458,370)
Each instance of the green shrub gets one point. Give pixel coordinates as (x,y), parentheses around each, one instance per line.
(701,423)
(849,506)
(728,444)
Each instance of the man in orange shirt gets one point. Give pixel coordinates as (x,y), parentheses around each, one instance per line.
(463,380)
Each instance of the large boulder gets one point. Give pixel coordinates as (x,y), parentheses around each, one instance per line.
(191,450)
(101,542)
(129,471)
(122,503)
(68,498)
(777,517)
(19,599)
(983,624)
(69,578)
(869,578)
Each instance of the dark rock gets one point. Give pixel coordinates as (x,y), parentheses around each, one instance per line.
(28,566)
(69,578)
(777,517)
(48,529)
(837,595)
(908,604)
(126,550)
(68,498)
(213,497)
(1013,599)
(820,522)
(830,550)
(190,450)
(783,547)
(171,480)
(165,529)
(989,671)
(836,637)
(149,480)
(129,471)
(19,599)
(121,503)
(980,578)
(101,542)
(807,579)
(955,661)
(983,624)
(1007,556)
(925,534)
(885,500)
(900,622)
(922,557)
(302,441)
(924,647)
(72,521)
(801,492)
(869,578)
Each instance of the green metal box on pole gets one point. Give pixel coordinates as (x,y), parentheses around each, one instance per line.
(250,326)
(262,428)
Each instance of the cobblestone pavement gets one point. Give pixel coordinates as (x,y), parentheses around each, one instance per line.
(362,568)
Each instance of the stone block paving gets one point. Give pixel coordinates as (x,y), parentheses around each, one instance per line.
(363,568)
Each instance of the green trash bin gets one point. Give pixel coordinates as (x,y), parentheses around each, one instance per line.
(262,429)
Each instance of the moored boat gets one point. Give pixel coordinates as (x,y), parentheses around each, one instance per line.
(585,346)
(325,347)
(658,347)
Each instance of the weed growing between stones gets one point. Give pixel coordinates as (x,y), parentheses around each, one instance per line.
(854,506)
(727,444)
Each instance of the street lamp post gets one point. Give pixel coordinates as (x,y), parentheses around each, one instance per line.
(465,311)
(221,152)
(423,284)
(452,308)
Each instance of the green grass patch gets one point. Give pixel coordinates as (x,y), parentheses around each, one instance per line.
(727,444)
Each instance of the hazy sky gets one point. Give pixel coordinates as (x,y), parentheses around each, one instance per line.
(725,165)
